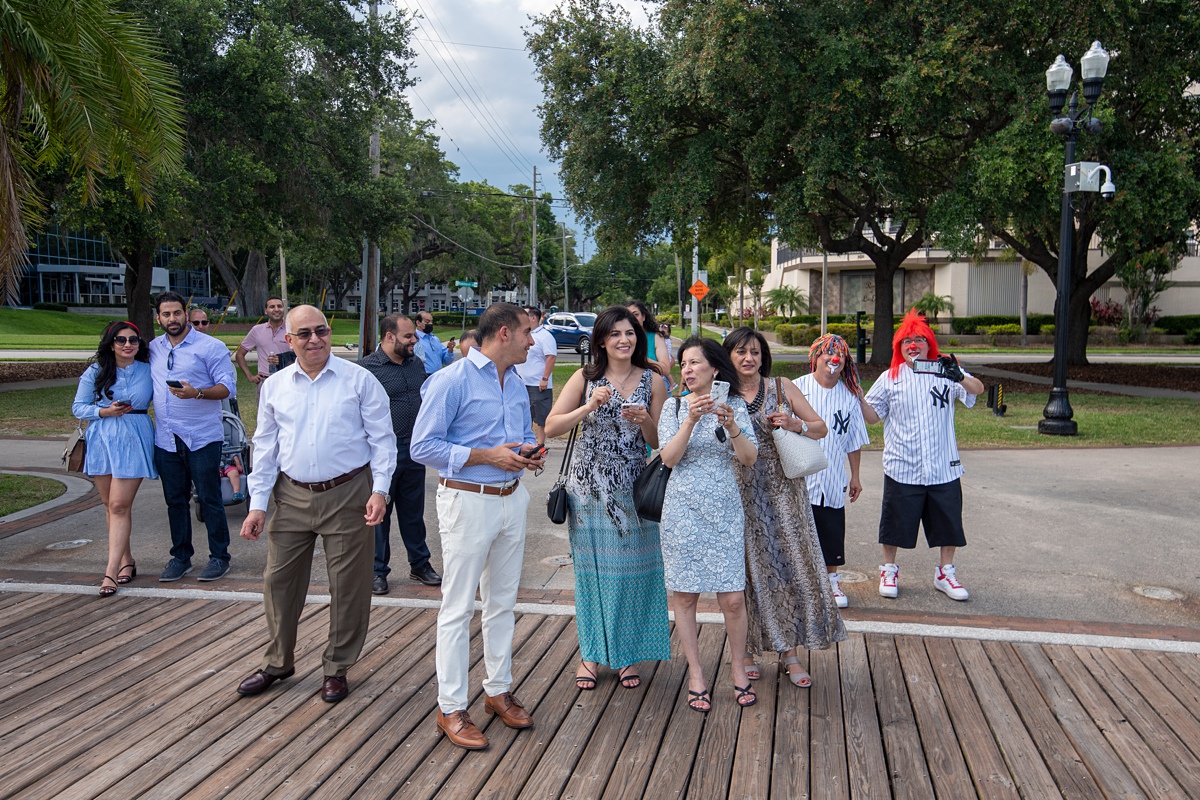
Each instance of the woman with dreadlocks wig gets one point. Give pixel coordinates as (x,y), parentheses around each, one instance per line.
(833,390)
(921,467)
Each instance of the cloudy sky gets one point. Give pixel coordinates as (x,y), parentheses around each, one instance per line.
(476,80)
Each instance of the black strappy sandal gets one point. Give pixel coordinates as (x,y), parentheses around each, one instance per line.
(108,591)
(123,579)
(629,679)
(742,693)
(585,682)
(700,697)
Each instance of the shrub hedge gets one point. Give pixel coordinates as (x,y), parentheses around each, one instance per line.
(50,307)
(1192,336)
(1182,324)
(972,325)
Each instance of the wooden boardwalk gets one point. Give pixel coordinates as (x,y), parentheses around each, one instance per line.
(134,697)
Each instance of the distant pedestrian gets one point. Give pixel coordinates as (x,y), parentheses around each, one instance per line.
(192,374)
(538,372)
(401,373)
(474,428)
(833,390)
(433,354)
(921,466)
(113,395)
(198,318)
(324,451)
(267,339)
(469,339)
(657,350)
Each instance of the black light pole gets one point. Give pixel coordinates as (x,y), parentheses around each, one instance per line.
(1057,416)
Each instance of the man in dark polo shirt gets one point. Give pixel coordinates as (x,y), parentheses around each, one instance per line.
(402,373)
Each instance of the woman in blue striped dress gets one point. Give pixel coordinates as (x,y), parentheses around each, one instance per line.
(620,598)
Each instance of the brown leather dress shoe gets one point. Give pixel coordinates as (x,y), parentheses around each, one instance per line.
(461,731)
(334,688)
(509,709)
(260,681)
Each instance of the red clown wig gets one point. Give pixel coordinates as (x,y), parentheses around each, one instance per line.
(912,325)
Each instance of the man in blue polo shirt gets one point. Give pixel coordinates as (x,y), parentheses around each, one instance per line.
(192,374)
(433,354)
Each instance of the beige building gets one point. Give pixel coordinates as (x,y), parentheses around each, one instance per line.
(991,285)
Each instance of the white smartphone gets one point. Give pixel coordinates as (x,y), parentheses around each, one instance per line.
(633,405)
(927,366)
(720,391)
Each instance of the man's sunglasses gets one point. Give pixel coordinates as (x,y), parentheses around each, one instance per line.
(198,323)
(305,334)
(123,340)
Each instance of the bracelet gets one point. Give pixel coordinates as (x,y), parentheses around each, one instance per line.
(739,433)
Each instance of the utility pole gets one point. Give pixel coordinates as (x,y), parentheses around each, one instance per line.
(566,297)
(533,270)
(824,291)
(368,338)
(282,277)
(696,277)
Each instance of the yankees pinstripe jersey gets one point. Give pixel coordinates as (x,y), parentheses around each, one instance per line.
(847,432)
(919,447)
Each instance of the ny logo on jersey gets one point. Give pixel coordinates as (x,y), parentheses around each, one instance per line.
(841,423)
(940,399)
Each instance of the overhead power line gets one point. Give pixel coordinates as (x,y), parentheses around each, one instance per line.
(467,249)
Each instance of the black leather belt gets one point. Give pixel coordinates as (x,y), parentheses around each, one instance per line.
(325,486)
(138,411)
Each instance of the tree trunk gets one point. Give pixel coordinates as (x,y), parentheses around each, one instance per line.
(881,333)
(139,283)
(254,284)
(223,263)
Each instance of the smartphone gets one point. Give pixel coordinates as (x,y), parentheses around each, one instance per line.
(122,403)
(633,405)
(175,384)
(720,391)
(930,367)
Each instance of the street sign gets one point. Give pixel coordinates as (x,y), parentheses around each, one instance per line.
(698,290)
(467,284)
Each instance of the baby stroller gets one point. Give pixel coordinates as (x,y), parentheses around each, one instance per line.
(234,442)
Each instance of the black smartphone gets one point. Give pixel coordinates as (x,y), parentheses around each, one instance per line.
(175,384)
(122,403)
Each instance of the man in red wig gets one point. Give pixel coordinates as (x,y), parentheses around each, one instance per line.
(921,467)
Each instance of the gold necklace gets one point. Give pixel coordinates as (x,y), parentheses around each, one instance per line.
(622,384)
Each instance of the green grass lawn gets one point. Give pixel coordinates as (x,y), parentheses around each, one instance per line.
(19,492)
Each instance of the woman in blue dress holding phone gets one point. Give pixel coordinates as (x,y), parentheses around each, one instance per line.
(113,396)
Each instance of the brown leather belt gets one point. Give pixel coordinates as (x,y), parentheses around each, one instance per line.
(325,486)
(480,488)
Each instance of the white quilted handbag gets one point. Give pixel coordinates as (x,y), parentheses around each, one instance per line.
(798,454)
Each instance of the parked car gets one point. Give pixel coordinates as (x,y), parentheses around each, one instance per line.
(572,330)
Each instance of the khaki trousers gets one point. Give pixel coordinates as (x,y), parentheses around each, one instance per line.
(337,516)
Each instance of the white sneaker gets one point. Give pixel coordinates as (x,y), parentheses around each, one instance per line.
(944,581)
(888,574)
(839,596)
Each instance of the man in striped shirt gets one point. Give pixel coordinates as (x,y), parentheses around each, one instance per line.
(921,466)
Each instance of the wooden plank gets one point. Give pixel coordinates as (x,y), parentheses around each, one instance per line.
(752,760)
(189,720)
(1146,719)
(1111,776)
(73,619)
(947,768)
(542,692)
(152,661)
(1187,665)
(672,769)
(439,766)
(417,746)
(901,741)
(830,778)
(1184,692)
(712,766)
(1025,764)
(867,766)
(400,712)
(791,759)
(980,751)
(641,748)
(35,616)
(1066,765)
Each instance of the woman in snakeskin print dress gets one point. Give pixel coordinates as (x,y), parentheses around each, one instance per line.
(620,597)
(788,599)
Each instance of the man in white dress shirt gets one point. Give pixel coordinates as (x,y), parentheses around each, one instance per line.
(325,451)
(921,467)
(537,372)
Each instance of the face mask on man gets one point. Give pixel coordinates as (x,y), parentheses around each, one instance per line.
(427,327)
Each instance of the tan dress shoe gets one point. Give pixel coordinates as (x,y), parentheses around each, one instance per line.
(509,709)
(461,731)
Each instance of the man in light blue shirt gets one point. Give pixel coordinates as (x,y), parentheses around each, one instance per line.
(474,428)
(433,354)
(192,374)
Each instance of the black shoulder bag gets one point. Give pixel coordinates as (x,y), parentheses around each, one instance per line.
(651,486)
(556,501)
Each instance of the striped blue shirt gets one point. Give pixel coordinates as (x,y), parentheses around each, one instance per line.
(463,408)
(203,362)
(839,408)
(919,446)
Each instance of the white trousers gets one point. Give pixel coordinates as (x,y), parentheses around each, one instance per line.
(483,544)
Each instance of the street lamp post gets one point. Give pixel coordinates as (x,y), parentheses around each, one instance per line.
(1057,416)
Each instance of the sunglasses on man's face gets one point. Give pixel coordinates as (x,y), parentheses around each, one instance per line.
(304,334)
(124,340)
(200,323)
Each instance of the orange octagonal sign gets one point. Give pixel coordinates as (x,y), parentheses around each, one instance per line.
(698,290)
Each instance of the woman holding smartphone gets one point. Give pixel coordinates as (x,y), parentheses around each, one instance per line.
(114,393)
(704,435)
(790,603)
(620,600)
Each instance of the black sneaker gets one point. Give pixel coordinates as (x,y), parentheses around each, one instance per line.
(216,569)
(175,570)
(379,585)
(426,575)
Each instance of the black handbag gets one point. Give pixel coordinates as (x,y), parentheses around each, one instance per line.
(556,500)
(651,486)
